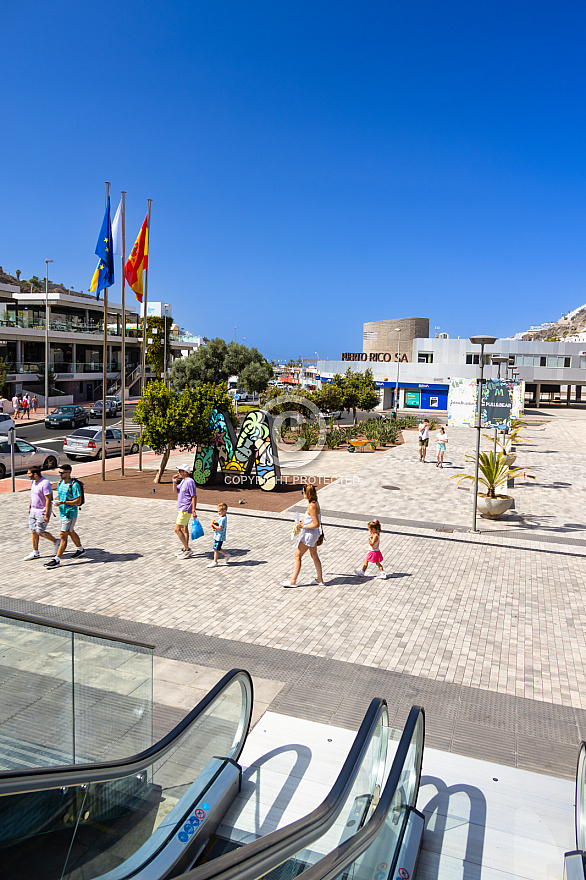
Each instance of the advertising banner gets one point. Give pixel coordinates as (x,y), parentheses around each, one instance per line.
(462,403)
(497,404)
(518,399)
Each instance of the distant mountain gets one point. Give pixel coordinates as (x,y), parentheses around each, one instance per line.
(35,284)
(571,325)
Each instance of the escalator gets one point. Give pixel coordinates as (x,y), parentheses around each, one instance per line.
(156,815)
(575,861)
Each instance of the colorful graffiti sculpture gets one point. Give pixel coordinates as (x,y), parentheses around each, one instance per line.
(255,448)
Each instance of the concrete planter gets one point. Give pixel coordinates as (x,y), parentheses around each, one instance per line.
(492,508)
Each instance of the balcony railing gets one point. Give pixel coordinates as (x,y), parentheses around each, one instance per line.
(60,367)
(67,326)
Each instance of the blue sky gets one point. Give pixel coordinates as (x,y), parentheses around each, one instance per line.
(312,165)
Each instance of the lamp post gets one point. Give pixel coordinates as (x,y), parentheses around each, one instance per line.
(481,341)
(235,329)
(397,330)
(47,336)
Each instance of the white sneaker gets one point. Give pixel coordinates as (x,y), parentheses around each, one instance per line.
(212,565)
(185,555)
(34,554)
(383,576)
(360,573)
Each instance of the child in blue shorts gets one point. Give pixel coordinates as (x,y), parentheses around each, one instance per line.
(219,529)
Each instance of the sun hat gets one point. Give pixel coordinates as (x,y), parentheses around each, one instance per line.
(184,467)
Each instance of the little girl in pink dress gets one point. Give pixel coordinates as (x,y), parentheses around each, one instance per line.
(374,555)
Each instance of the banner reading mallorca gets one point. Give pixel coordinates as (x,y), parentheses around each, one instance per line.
(138,260)
(462,403)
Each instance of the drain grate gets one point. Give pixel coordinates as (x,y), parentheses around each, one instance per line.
(394,488)
(445,530)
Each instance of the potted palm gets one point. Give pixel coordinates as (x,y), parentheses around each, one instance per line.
(494,471)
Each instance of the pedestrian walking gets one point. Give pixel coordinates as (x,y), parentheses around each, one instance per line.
(34,404)
(311,531)
(219,526)
(185,487)
(39,511)
(423,439)
(15,406)
(374,555)
(70,498)
(25,409)
(441,439)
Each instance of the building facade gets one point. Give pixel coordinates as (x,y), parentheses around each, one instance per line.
(553,372)
(76,326)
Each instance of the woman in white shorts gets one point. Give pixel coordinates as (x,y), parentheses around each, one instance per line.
(310,532)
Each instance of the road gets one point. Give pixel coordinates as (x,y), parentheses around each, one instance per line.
(53,438)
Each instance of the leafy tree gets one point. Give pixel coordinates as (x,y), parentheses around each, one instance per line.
(273,394)
(291,363)
(171,419)
(155,352)
(358,391)
(240,356)
(255,376)
(204,366)
(4,389)
(328,398)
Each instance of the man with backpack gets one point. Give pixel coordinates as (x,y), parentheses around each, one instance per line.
(70,496)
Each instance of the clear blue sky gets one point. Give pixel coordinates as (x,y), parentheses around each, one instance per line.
(312,165)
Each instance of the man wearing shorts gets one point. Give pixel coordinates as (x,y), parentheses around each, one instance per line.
(69,497)
(423,439)
(39,511)
(186,504)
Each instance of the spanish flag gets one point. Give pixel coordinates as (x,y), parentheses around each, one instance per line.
(138,260)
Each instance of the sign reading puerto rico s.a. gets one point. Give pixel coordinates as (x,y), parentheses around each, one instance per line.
(378,357)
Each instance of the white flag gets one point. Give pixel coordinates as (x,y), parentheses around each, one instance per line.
(117,231)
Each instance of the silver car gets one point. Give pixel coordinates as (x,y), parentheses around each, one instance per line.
(87,443)
(25,455)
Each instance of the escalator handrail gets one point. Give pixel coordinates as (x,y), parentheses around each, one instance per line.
(67,627)
(41,778)
(340,858)
(261,855)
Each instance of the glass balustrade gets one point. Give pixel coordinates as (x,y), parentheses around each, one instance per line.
(69,697)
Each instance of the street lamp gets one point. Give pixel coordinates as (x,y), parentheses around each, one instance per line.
(47,336)
(235,329)
(397,330)
(481,341)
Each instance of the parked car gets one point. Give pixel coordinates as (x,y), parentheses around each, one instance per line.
(67,417)
(25,455)
(97,407)
(117,401)
(87,443)
(5,423)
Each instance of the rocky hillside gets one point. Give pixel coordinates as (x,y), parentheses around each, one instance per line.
(571,324)
(35,284)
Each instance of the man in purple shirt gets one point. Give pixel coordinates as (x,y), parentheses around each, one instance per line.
(39,510)
(186,503)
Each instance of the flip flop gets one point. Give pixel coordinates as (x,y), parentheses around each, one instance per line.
(315,583)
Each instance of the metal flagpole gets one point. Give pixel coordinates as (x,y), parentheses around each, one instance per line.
(123,354)
(105,363)
(144,323)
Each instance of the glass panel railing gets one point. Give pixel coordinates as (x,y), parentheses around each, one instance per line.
(69,696)
(581,799)
(124,813)
(373,851)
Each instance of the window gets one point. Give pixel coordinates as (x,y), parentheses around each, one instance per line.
(425,357)
(24,447)
(583,363)
(472,358)
(542,361)
(116,434)
(567,362)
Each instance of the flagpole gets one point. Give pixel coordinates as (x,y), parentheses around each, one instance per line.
(123,355)
(144,323)
(105,362)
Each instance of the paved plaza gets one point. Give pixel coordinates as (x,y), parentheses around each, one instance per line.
(485,630)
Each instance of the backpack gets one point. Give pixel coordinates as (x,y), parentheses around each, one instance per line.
(81,491)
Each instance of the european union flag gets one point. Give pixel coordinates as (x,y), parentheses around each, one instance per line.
(104,274)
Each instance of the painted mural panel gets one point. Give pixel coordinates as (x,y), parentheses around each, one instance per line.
(254,449)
